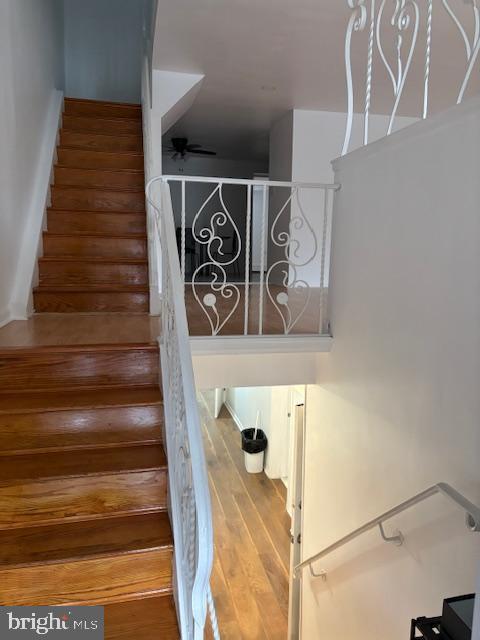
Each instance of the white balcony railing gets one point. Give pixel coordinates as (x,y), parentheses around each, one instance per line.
(401,38)
(189,495)
(254,255)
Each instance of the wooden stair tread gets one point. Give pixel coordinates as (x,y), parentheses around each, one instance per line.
(79,399)
(70,430)
(75,541)
(42,466)
(91,581)
(147,619)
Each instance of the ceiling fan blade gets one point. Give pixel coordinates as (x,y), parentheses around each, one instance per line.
(203,152)
(189,147)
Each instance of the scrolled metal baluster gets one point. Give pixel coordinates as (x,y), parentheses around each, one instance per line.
(401,20)
(357,22)
(287,268)
(217,261)
(428,55)
(471,48)
(368,89)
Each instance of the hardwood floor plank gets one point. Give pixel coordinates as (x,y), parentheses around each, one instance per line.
(248,568)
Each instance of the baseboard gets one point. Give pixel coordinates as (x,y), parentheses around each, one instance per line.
(235,418)
(31,246)
(5,317)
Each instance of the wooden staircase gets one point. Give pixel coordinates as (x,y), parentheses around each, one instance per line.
(95,247)
(83,472)
(83,485)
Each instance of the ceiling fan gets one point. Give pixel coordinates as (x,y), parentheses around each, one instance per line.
(181,148)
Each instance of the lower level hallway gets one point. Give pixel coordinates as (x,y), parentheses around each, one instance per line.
(252,539)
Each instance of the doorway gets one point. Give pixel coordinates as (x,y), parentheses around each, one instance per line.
(251,579)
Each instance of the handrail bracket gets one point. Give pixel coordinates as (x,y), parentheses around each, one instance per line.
(396,539)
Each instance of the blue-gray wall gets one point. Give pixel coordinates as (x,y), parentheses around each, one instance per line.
(104,48)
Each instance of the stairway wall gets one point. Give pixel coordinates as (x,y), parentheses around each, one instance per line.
(104,49)
(31,41)
(397,404)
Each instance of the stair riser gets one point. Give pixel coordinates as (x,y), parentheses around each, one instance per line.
(67,176)
(97,199)
(90,302)
(86,222)
(96,141)
(99,159)
(101,110)
(29,370)
(82,273)
(81,498)
(76,429)
(101,125)
(92,246)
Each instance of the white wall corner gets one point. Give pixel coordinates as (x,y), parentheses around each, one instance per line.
(173,93)
(21,302)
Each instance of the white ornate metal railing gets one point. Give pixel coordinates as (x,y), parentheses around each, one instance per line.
(411,25)
(188,480)
(254,254)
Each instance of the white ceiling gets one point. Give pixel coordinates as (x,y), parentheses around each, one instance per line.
(263,57)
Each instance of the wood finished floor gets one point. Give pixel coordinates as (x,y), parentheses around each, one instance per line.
(251,525)
(302,314)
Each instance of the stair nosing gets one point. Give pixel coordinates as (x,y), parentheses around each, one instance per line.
(89,518)
(84,211)
(115,119)
(116,153)
(106,135)
(110,287)
(89,187)
(82,234)
(93,259)
(65,166)
(90,346)
(81,447)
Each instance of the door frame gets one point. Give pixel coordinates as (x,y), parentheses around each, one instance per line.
(296,532)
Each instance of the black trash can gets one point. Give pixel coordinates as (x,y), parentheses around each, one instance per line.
(254,449)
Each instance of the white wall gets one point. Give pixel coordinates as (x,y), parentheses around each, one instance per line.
(32,68)
(273,404)
(397,406)
(104,49)
(302,147)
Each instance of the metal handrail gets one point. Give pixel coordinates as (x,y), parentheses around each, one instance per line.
(253,183)
(472,521)
(197,526)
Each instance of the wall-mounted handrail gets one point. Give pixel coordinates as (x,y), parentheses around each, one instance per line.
(472,521)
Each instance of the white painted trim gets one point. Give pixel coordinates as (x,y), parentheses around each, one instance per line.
(243,345)
(21,303)
(235,417)
(5,317)
(415,130)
